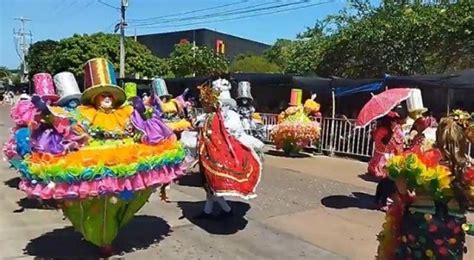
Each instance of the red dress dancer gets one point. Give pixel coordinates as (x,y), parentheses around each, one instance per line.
(230,167)
(389,140)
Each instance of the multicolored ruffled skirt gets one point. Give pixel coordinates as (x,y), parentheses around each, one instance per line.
(102,185)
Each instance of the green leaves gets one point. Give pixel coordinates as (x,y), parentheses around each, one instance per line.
(366,41)
(71,53)
(253,64)
(186,60)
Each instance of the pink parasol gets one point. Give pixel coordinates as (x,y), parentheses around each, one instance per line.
(381,104)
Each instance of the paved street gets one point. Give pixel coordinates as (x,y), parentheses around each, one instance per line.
(307,208)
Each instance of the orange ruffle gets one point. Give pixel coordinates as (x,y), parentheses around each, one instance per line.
(114,121)
(106,155)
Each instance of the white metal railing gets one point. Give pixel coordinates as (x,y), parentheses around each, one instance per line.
(269,122)
(339,136)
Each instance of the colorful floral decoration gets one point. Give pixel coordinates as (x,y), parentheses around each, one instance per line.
(469,183)
(423,233)
(295,129)
(423,173)
(388,238)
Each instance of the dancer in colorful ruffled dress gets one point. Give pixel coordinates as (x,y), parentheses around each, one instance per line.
(295,129)
(173,110)
(37,128)
(389,140)
(228,156)
(428,220)
(105,182)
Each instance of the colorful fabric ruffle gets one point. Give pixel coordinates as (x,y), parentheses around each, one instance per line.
(112,122)
(97,162)
(179,126)
(103,186)
(23,113)
(423,173)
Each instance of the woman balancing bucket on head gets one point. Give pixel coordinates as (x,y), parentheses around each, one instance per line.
(105,181)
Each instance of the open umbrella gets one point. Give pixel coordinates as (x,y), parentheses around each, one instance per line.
(381,104)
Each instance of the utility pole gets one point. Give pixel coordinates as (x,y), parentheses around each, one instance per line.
(194,49)
(123,6)
(22,45)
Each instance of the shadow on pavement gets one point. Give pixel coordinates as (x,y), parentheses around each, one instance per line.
(282,154)
(369,178)
(30,203)
(357,200)
(227,226)
(141,233)
(13,182)
(191,180)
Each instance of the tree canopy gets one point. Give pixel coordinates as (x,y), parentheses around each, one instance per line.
(70,54)
(187,60)
(395,37)
(253,64)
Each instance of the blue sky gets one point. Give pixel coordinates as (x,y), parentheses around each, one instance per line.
(57,19)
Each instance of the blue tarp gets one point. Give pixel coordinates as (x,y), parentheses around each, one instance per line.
(349,90)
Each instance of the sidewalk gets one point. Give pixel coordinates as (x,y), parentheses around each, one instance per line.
(345,223)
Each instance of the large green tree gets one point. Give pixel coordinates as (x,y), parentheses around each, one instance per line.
(253,64)
(395,37)
(70,54)
(187,60)
(41,56)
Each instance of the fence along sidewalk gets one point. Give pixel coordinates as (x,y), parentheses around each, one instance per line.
(338,136)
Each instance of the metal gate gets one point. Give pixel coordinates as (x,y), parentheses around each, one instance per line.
(339,136)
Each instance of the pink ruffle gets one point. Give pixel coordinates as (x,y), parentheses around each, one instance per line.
(9,150)
(106,185)
(23,112)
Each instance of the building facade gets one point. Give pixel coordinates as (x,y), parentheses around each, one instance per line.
(162,44)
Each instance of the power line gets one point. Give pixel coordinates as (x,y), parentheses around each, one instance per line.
(231,12)
(238,17)
(107,4)
(189,12)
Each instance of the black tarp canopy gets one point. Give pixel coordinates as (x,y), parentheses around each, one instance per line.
(272,90)
(458,80)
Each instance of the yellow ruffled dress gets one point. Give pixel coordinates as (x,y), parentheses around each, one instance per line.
(109,121)
(171,117)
